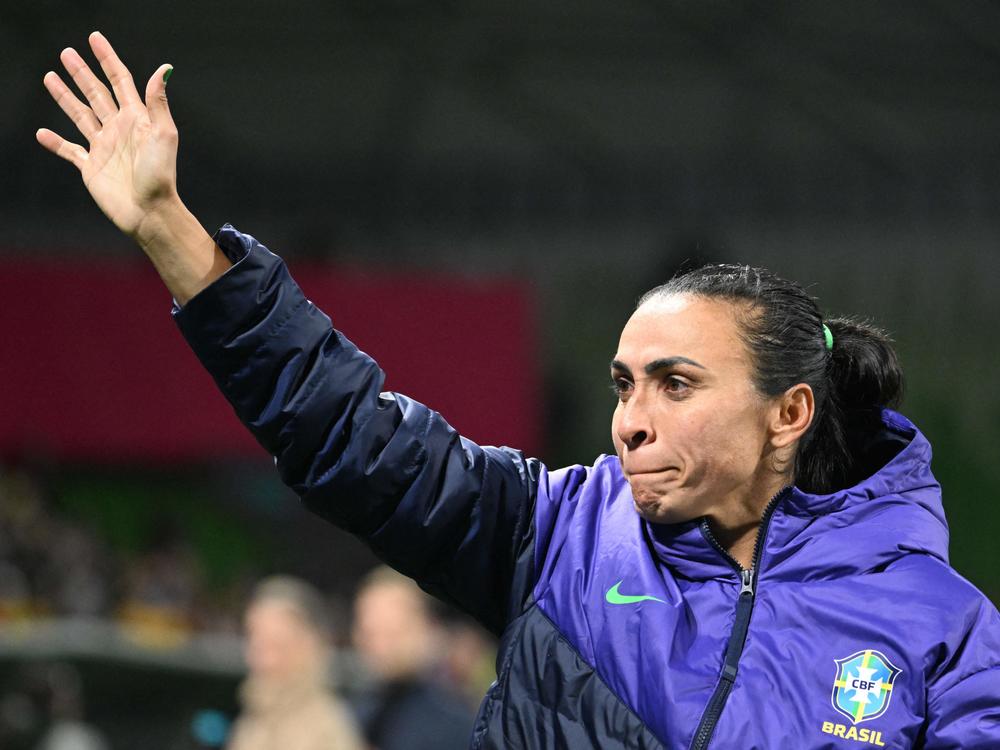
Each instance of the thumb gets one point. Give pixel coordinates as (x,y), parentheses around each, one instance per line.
(156,98)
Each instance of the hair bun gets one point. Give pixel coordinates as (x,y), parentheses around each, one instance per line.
(865,370)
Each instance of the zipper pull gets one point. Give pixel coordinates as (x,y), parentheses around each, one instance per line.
(746,582)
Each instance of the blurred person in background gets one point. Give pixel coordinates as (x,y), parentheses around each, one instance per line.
(398,640)
(67,729)
(286,701)
(42,708)
(468,663)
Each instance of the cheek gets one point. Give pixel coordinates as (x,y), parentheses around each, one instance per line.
(737,445)
(265,654)
(713,444)
(691,449)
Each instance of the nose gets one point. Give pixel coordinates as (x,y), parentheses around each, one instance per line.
(635,428)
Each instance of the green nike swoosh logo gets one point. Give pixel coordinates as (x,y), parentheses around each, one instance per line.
(613,597)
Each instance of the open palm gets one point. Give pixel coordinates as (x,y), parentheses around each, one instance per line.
(130,165)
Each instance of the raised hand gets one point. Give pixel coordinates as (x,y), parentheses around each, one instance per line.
(130,165)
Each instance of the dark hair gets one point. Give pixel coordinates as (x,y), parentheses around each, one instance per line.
(783,329)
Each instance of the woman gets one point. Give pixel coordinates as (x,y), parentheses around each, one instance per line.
(761,565)
(287,704)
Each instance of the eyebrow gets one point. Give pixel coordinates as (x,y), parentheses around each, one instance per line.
(658,364)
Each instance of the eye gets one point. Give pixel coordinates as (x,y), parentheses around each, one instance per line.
(620,387)
(675,385)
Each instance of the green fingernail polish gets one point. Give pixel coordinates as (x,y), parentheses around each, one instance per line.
(166,75)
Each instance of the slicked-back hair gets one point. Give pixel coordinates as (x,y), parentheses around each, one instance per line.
(782,328)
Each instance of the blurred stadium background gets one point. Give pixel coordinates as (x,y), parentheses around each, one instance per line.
(477,193)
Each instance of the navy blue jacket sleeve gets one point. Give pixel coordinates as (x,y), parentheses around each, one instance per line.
(455,516)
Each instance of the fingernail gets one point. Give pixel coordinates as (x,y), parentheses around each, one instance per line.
(166,75)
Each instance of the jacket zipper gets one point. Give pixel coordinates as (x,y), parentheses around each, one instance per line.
(741,624)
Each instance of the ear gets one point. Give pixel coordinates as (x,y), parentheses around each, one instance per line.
(791,416)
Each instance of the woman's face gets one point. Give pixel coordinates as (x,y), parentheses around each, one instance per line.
(279,644)
(690,429)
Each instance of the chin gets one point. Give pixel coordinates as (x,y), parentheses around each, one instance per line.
(655,509)
(656,514)
(660,507)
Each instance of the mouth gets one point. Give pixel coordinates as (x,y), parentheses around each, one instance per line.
(649,472)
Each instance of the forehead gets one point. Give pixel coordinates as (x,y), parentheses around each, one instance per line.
(395,597)
(271,613)
(683,325)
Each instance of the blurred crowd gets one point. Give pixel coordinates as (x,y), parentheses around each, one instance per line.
(409,671)
(53,565)
(49,566)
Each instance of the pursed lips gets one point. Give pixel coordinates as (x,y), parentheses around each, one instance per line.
(629,473)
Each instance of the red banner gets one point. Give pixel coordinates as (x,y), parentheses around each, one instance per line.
(94,369)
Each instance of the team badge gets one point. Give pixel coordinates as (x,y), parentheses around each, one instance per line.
(863,685)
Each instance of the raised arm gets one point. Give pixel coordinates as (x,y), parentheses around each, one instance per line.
(455,516)
(130,165)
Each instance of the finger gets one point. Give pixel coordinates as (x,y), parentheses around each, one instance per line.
(96,92)
(81,115)
(115,70)
(71,152)
(156,99)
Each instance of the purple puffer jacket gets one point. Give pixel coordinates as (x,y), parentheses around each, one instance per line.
(851,630)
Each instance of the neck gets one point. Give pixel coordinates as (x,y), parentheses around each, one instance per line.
(738,542)
(737,529)
(270,693)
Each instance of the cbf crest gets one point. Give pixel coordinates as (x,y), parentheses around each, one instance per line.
(862,688)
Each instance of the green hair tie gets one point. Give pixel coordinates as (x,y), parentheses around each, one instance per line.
(828,335)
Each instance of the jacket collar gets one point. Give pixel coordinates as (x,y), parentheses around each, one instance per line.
(894,511)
